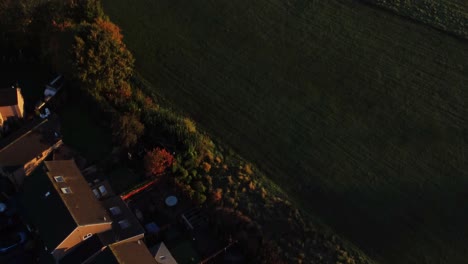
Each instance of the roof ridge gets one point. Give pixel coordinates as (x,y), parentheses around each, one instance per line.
(23,135)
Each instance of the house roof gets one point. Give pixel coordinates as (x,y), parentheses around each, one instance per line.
(132,252)
(84,251)
(124,223)
(81,202)
(45,209)
(162,255)
(8,97)
(29,142)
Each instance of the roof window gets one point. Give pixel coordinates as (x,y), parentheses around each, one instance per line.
(66,190)
(59,178)
(103,190)
(115,210)
(96,193)
(124,224)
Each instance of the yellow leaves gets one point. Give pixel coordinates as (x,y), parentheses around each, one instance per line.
(190,125)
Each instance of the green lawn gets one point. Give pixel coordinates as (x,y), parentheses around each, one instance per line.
(359,114)
(83,132)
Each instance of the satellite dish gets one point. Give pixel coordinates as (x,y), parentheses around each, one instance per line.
(3,207)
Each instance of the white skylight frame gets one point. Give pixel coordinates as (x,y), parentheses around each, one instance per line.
(66,190)
(103,190)
(59,178)
(87,236)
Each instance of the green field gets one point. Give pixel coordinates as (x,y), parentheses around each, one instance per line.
(360,114)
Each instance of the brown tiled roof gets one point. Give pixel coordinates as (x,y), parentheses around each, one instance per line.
(132,252)
(8,96)
(162,254)
(81,202)
(28,143)
(125,214)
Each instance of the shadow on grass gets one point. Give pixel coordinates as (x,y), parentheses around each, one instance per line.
(85,133)
(122,179)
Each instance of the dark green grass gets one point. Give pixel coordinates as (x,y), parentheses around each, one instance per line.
(359,114)
(122,179)
(84,132)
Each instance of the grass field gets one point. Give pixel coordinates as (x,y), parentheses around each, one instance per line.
(361,115)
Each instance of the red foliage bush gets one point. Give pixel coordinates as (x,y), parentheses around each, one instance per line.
(157,161)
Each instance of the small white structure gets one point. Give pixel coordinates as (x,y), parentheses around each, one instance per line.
(53,87)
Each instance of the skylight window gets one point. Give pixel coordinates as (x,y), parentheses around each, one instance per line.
(87,236)
(66,190)
(115,210)
(103,190)
(96,193)
(59,178)
(124,224)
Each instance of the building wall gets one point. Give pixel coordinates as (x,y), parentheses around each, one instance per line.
(77,236)
(20,106)
(13,110)
(10,111)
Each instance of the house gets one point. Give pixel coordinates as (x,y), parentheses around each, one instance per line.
(125,229)
(77,225)
(63,208)
(24,150)
(11,104)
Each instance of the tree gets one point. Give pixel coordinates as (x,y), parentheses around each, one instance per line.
(127,130)
(102,62)
(112,28)
(157,161)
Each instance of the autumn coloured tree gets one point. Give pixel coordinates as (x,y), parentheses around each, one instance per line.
(111,28)
(127,130)
(102,61)
(157,161)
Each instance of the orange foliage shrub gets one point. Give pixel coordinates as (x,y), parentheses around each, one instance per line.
(217,195)
(125,90)
(206,167)
(110,27)
(248,169)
